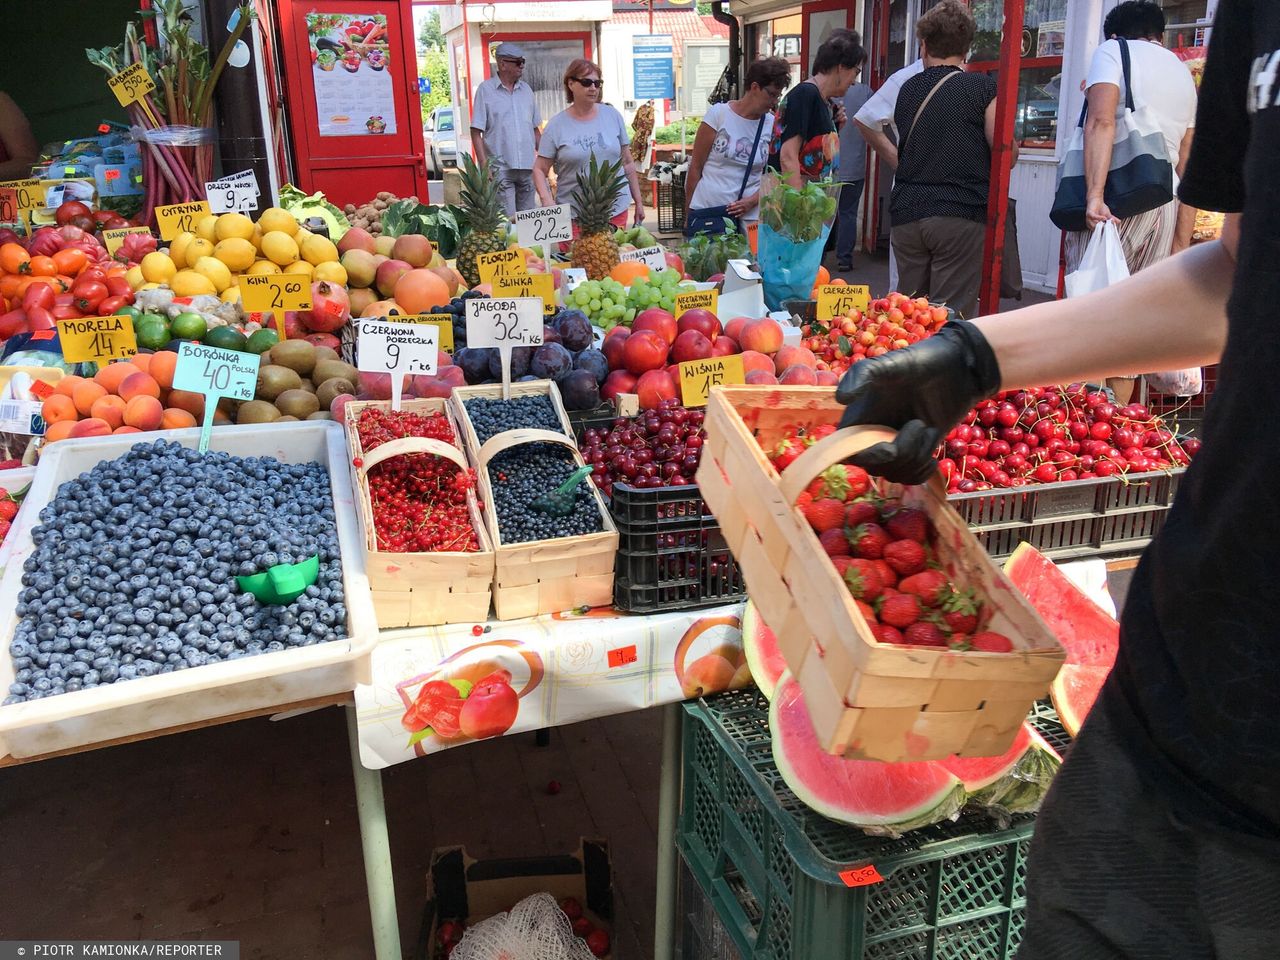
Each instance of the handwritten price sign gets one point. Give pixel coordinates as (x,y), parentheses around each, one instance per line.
(504,323)
(131,84)
(545,225)
(97,339)
(114,238)
(176,218)
(697,377)
(275,293)
(540,285)
(841,299)
(501,263)
(696,300)
(400,349)
(227,196)
(8,205)
(655,258)
(215,373)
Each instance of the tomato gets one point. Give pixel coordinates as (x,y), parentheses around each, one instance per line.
(88,294)
(15,321)
(103,216)
(94,271)
(38,295)
(14,258)
(65,313)
(72,209)
(118,286)
(85,223)
(43,267)
(71,261)
(40,319)
(9,285)
(111,305)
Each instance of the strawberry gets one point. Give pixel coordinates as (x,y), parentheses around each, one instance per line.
(924,634)
(931,586)
(862,580)
(991,642)
(868,612)
(958,622)
(820,432)
(888,576)
(841,563)
(860,512)
(900,610)
(869,540)
(785,453)
(960,611)
(824,514)
(843,481)
(909,524)
(905,556)
(885,633)
(834,542)
(959,641)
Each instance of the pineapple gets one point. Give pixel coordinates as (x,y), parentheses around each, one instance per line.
(595,250)
(486,234)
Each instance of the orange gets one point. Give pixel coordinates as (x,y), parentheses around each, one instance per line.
(113,374)
(86,394)
(66,385)
(175,419)
(162,367)
(140,384)
(628,272)
(58,431)
(59,409)
(109,408)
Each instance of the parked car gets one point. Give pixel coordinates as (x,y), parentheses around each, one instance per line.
(441,141)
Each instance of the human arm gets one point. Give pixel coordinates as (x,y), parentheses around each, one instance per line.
(1099,138)
(879,141)
(789,161)
(702,142)
(477,145)
(19,142)
(1186,224)
(633,178)
(537,137)
(989,125)
(748,203)
(541,185)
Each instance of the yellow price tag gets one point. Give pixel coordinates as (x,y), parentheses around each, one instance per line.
(131,84)
(114,238)
(176,218)
(697,377)
(8,205)
(696,300)
(29,193)
(501,263)
(541,285)
(268,293)
(441,321)
(841,299)
(97,339)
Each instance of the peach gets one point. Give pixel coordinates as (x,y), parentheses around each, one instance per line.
(59,430)
(763,335)
(789,356)
(86,394)
(734,327)
(828,378)
(741,678)
(92,427)
(140,385)
(755,360)
(709,674)
(798,375)
(110,409)
(760,378)
(143,412)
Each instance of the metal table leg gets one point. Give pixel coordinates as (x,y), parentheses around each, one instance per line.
(665,918)
(378,877)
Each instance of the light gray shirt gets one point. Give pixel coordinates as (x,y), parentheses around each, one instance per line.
(853,148)
(506,118)
(569,144)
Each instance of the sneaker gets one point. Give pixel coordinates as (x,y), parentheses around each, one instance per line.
(844,266)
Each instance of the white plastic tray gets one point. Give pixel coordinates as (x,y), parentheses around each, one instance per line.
(12,480)
(146,704)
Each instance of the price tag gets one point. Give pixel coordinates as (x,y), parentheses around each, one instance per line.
(502,263)
(572,277)
(860,876)
(840,299)
(696,300)
(753,237)
(276,293)
(697,377)
(97,339)
(114,238)
(176,218)
(22,416)
(545,225)
(622,656)
(215,373)
(230,197)
(504,323)
(131,84)
(29,192)
(655,258)
(541,285)
(400,349)
(441,321)
(111,173)
(8,205)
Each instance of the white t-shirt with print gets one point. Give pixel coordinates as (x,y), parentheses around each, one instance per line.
(726,163)
(1160,81)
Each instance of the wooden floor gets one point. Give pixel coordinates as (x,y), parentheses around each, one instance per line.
(248,832)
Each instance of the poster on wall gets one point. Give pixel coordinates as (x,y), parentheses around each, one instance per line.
(350,56)
(654,67)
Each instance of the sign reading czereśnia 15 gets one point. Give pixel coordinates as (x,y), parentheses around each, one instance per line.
(653,66)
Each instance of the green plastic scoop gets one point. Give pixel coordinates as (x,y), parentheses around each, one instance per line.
(283,583)
(559,503)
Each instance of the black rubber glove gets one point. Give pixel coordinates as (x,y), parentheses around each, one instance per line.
(923,390)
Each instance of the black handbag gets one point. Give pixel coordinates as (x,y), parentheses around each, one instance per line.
(718,219)
(1141,174)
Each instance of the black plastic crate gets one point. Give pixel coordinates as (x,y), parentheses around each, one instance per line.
(671,204)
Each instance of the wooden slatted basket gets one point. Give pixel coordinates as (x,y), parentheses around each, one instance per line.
(542,576)
(868,700)
(419,589)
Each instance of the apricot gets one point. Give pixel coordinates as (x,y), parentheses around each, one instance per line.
(162,366)
(143,412)
(92,427)
(189,401)
(67,384)
(175,419)
(112,375)
(59,408)
(110,409)
(58,431)
(86,394)
(140,385)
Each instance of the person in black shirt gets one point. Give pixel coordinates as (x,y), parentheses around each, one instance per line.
(805,144)
(939,202)
(1160,837)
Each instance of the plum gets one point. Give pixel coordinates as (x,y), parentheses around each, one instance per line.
(575,330)
(580,390)
(551,361)
(520,357)
(474,362)
(593,360)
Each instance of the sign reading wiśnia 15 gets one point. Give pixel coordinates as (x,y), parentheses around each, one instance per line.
(653,60)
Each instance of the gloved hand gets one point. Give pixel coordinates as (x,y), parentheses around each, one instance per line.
(923,390)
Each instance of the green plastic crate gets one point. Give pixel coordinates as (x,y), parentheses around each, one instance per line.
(771,866)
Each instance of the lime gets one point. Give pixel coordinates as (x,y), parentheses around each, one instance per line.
(152,331)
(129,310)
(188,326)
(225,338)
(260,341)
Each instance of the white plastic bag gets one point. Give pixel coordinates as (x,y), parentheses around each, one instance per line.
(535,929)
(1103,262)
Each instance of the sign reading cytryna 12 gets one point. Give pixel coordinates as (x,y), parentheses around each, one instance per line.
(653,65)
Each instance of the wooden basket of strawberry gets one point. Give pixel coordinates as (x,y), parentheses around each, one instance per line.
(427,550)
(908,641)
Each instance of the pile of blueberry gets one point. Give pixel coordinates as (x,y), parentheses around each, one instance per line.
(134,566)
(491,417)
(521,475)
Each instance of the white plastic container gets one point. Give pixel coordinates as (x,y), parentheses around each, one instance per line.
(216,690)
(12,480)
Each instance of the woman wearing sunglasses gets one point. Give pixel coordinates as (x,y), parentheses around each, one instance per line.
(586,128)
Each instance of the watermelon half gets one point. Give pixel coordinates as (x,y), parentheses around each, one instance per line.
(764,659)
(884,799)
(1013,783)
(1089,634)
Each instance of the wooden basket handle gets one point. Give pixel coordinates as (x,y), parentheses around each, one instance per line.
(513,438)
(837,448)
(407,445)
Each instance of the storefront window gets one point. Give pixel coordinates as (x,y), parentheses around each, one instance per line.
(545,63)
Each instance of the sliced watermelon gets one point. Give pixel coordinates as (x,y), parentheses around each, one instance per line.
(1089,634)
(1022,788)
(885,799)
(764,659)
(978,772)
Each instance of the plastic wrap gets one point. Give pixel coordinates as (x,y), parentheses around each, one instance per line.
(1023,788)
(794,226)
(535,929)
(175,136)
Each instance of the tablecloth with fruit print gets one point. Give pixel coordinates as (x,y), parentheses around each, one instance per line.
(441,687)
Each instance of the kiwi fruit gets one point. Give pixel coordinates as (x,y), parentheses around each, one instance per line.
(274,380)
(297,355)
(320,415)
(327,353)
(333,387)
(257,411)
(328,369)
(286,418)
(308,385)
(297,403)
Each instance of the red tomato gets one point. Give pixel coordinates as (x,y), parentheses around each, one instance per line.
(88,294)
(111,305)
(72,209)
(118,286)
(65,313)
(38,295)
(40,319)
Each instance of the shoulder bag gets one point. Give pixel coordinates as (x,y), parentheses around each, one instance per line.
(717,219)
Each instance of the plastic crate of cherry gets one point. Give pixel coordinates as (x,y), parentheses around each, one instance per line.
(1065,469)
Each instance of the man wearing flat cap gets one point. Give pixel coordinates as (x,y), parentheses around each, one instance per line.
(504,128)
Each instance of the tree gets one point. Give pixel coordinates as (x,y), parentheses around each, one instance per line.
(704,9)
(434,66)
(429,36)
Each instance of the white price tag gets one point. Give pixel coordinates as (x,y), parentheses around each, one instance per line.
(655,258)
(400,349)
(226,196)
(545,225)
(505,323)
(573,277)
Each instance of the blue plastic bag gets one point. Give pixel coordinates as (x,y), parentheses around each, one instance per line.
(788,267)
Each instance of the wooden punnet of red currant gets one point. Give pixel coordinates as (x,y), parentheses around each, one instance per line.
(419,501)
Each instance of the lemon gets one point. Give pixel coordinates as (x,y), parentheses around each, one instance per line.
(256,239)
(157,267)
(263,267)
(197,248)
(319,250)
(234,225)
(216,271)
(301,267)
(236,252)
(279,247)
(178,248)
(332,273)
(188,283)
(135,278)
(275,219)
(302,234)
(208,227)
(230,295)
